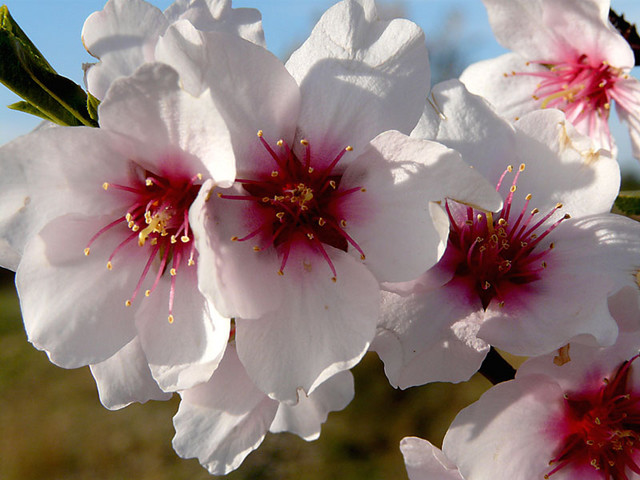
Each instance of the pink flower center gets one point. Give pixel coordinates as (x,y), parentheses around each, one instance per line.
(299,203)
(498,253)
(580,89)
(601,429)
(158,218)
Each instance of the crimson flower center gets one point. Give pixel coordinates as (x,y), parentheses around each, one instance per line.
(158,219)
(498,253)
(299,202)
(602,429)
(579,88)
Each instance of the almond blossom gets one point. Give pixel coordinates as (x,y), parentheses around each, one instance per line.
(296,248)
(566,55)
(527,278)
(109,257)
(580,419)
(124,33)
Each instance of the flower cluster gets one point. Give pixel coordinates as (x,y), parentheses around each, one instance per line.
(241,231)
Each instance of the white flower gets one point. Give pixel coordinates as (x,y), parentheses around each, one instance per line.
(111,228)
(124,33)
(559,422)
(527,278)
(426,462)
(566,55)
(326,204)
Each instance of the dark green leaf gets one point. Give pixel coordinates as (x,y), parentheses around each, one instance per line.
(26,107)
(25,71)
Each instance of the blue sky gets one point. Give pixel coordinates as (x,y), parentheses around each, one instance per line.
(55,27)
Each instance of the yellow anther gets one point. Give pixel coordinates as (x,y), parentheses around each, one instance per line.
(127,303)
(109,266)
(558,205)
(521,168)
(343,223)
(362,257)
(148,182)
(275,173)
(234,239)
(173,272)
(363,190)
(334,279)
(509,168)
(256,248)
(534,211)
(170,318)
(219,195)
(552,246)
(322,222)
(265,199)
(129,218)
(528,197)
(310,236)
(147,293)
(280,215)
(281,273)
(502,222)
(304,142)
(310,169)
(260,133)
(280,142)
(566,216)
(185,239)
(513,188)
(349,148)
(332,184)
(87,251)
(135,228)
(501,304)
(191,262)
(173,239)
(199,176)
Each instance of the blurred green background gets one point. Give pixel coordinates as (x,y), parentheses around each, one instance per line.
(53,426)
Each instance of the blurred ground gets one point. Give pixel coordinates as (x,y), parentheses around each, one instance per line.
(54,427)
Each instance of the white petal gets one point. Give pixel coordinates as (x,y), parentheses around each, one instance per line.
(359,76)
(307,416)
(125,378)
(186,351)
(430,336)
(122,36)
(218,16)
(249,85)
(401,176)
(627,95)
(506,434)
(222,421)
(426,462)
(322,328)
(228,270)
(152,108)
(493,79)
(74,307)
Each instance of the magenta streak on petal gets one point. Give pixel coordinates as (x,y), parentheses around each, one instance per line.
(501,252)
(298,204)
(600,429)
(158,217)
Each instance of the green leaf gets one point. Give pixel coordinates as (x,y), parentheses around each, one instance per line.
(92,106)
(628,202)
(25,71)
(26,107)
